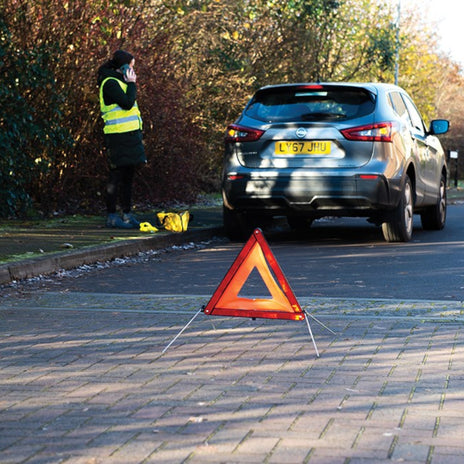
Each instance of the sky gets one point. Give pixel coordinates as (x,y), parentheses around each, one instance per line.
(449,15)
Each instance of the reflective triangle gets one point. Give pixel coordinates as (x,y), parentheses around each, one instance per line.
(255,254)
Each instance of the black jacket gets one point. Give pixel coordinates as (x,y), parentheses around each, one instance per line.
(126,148)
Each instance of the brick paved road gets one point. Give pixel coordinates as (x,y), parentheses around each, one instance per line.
(83,380)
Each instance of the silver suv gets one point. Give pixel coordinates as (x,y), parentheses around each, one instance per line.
(306,151)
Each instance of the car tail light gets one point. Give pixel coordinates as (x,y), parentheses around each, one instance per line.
(233,176)
(236,133)
(380,132)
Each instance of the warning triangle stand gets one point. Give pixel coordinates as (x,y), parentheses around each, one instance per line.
(282,304)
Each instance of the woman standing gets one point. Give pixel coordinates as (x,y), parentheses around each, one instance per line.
(122,134)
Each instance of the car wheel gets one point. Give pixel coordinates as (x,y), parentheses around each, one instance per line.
(240,225)
(399,228)
(299,223)
(233,223)
(434,217)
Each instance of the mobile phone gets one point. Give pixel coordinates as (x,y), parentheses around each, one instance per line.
(124,69)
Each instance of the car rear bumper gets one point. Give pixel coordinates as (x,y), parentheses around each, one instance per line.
(354,194)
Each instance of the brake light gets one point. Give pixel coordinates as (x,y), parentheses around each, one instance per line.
(380,132)
(236,133)
(310,87)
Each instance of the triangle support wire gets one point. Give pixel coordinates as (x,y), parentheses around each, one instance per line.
(314,318)
(308,315)
(183,330)
(312,338)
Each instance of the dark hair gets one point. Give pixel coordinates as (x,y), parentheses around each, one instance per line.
(120,58)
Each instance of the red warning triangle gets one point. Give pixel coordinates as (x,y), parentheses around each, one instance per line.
(255,254)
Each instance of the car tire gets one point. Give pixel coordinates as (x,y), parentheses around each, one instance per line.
(434,217)
(233,223)
(299,223)
(240,225)
(399,227)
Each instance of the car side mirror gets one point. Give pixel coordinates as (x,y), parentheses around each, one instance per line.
(439,126)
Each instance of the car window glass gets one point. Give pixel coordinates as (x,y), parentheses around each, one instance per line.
(414,115)
(398,105)
(306,104)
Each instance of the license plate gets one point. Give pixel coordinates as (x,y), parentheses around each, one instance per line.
(319,147)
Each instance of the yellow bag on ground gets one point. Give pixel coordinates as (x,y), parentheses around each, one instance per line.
(147,227)
(175,222)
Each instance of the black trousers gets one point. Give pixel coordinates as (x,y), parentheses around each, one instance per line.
(119,187)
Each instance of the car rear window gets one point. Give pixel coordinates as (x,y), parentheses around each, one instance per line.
(310,103)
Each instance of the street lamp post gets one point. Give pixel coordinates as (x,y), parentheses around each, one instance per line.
(397,59)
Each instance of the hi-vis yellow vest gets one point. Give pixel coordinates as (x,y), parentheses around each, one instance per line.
(116,119)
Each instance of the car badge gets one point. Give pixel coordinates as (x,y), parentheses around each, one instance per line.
(301,132)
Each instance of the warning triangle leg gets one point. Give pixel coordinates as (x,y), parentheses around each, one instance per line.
(318,321)
(182,331)
(312,338)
